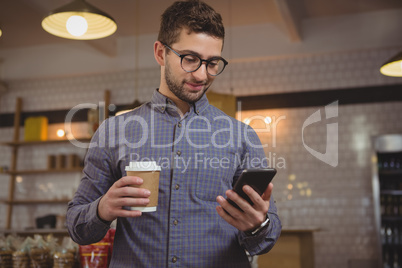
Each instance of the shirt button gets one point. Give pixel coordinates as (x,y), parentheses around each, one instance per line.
(175,222)
(178,153)
(179,124)
(177,187)
(174,259)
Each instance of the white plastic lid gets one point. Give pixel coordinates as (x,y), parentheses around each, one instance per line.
(143,166)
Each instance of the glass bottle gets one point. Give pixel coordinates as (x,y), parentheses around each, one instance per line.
(386,260)
(395,205)
(396,262)
(379,162)
(385,163)
(400,234)
(382,205)
(400,205)
(392,163)
(398,163)
(389,206)
(395,235)
(383,235)
(388,233)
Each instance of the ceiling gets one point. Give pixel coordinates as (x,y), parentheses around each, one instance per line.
(20,20)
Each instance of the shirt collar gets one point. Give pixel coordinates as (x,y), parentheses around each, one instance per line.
(162,103)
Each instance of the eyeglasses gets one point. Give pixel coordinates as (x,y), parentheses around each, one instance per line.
(191,63)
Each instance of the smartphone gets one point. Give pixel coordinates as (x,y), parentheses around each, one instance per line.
(258,179)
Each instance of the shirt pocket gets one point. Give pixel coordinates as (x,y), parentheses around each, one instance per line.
(215,172)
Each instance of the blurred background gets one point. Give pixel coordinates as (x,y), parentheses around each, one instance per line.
(304,74)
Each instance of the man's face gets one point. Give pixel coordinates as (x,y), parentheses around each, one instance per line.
(190,87)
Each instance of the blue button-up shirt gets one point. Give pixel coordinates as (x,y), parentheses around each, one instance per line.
(201,155)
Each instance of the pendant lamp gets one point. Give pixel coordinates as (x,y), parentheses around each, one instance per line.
(79,20)
(393,67)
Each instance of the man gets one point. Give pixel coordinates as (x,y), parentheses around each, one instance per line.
(202,152)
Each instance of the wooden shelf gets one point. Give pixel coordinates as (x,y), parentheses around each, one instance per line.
(391,172)
(36,201)
(43,171)
(391,192)
(391,218)
(13,171)
(26,143)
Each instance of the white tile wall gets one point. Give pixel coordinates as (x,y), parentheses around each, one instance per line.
(341,201)
(306,72)
(65,93)
(336,199)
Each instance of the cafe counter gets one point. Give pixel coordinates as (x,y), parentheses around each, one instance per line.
(294,249)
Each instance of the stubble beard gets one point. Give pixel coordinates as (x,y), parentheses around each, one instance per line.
(177,88)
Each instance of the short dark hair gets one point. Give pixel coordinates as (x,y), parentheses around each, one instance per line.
(194,15)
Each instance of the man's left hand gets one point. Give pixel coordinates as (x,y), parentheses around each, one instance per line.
(252,216)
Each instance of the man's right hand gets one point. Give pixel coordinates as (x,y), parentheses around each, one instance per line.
(119,195)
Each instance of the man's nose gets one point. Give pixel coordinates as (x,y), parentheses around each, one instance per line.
(201,73)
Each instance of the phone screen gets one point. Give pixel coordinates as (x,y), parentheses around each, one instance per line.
(258,179)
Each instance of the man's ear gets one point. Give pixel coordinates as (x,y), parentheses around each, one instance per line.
(159,53)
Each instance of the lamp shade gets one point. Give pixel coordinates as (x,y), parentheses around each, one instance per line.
(97,24)
(393,67)
(0,32)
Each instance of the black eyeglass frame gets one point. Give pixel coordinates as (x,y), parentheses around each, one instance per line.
(201,61)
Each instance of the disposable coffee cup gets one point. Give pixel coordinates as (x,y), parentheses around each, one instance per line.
(149,171)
